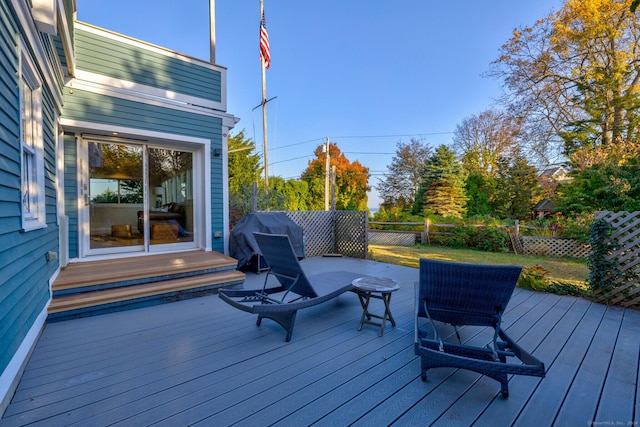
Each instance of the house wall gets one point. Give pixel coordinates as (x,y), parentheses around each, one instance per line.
(25,271)
(135,63)
(95,108)
(128,84)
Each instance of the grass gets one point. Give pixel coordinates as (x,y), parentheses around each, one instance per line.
(567,270)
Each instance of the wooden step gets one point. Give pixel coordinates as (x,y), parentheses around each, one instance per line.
(90,273)
(137,292)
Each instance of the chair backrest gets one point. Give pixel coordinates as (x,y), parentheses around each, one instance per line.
(465,294)
(283,263)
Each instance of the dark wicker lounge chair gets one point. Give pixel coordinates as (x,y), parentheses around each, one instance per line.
(296,290)
(468,294)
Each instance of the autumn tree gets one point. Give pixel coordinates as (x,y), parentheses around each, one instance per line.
(351,180)
(573,77)
(442,188)
(402,180)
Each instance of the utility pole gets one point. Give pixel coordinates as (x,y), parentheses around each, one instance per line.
(326,174)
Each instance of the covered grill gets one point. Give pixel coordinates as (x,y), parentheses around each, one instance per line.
(243,246)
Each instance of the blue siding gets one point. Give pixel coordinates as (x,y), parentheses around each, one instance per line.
(71,191)
(24,270)
(113,58)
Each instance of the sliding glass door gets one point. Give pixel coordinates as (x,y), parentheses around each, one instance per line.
(116,196)
(139,198)
(170,216)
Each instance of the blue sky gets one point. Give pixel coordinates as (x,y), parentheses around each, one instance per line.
(366,74)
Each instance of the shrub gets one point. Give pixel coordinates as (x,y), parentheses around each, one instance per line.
(490,239)
(566,288)
(561,226)
(534,278)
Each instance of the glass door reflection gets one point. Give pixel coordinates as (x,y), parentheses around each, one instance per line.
(116,196)
(170,196)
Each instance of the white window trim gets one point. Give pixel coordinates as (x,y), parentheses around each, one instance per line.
(35,219)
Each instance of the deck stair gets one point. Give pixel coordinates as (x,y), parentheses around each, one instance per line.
(97,287)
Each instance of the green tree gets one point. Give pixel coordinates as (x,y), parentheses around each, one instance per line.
(293,194)
(517,189)
(243,162)
(244,169)
(352,180)
(605,178)
(480,191)
(401,182)
(442,188)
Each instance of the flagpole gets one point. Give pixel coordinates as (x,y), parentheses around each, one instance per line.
(264,114)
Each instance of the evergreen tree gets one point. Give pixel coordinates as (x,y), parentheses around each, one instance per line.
(517,188)
(479,190)
(442,188)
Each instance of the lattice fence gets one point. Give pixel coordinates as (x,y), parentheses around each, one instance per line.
(553,246)
(351,233)
(340,232)
(390,237)
(626,231)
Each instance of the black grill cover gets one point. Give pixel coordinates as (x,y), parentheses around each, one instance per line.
(242,244)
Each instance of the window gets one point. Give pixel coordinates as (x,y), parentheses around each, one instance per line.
(31,145)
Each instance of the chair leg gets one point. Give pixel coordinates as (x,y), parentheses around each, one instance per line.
(285,319)
(423,369)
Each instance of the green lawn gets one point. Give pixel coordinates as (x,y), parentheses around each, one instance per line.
(571,270)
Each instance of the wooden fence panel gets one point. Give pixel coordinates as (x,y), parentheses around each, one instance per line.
(626,230)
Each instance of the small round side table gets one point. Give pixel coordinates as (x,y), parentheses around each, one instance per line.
(378,288)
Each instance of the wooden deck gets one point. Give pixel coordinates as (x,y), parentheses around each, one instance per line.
(203,362)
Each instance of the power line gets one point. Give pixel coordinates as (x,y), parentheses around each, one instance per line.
(362,136)
(395,136)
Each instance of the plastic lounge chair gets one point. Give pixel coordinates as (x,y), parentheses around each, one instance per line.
(296,290)
(468,294)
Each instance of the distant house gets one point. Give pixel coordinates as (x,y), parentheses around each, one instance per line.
(109,147)
(556,174)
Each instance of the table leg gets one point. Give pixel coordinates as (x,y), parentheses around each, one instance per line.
(364,301)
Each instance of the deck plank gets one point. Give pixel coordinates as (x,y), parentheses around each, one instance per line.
(572,335)
(585,392)
(202,361)
(622,375)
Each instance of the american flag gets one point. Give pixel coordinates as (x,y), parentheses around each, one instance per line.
(265,55)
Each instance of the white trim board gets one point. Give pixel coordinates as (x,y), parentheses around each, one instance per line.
(13,372)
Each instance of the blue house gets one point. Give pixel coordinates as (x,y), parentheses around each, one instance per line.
(110,148)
